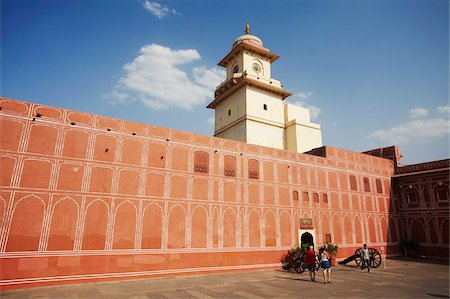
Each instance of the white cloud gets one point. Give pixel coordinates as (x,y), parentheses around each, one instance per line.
(418,130)
(300,98)
(444,109)
(159,10)
(418,112)
(303,95)
(209,78)
(156,78)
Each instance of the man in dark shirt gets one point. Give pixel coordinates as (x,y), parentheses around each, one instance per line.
(311,262)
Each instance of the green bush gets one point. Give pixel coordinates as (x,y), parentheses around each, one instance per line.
(332,248)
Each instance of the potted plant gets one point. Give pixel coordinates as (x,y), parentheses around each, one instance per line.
(409,247)
(332,249)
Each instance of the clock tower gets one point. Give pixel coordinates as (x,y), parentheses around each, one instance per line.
(249,103)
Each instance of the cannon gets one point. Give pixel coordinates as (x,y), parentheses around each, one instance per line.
(296,261)
(375,258)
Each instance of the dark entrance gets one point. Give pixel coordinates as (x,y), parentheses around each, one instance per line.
(307,239)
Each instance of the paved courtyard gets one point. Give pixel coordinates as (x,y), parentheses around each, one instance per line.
(400,279)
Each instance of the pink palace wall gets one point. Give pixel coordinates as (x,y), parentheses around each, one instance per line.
(86,197)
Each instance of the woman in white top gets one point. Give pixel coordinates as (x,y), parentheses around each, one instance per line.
(325,262)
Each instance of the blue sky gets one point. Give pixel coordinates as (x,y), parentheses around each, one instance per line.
(375,73)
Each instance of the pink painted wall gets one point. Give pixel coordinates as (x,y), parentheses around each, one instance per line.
(87,197)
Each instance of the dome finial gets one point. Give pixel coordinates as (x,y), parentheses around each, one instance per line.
(247,29)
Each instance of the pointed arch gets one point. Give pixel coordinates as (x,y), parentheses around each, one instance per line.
(337,229)
(63,224)
(124,225)
(199,227)
(392,230)
(349,230)
(371,237)
(229,228)
(177,227)
(26,224)
(95,224)
(325,226)
(270,228)
(285,229)
(254,237)
(152,224)
(417,230)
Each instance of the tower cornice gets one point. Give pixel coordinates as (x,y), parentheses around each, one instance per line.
(229,87)
(251,47)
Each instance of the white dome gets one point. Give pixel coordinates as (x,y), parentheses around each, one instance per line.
(248,38)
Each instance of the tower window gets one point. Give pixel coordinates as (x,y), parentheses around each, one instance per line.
(253,169)
(379,186)
(353,185)
(366,184)
(305,196)
(230,166)
(236,69)
(265,107)
(229,111)
(201,162)
(295,195)
(315,197)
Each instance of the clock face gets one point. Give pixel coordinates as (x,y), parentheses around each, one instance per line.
(256,68)
(236,69)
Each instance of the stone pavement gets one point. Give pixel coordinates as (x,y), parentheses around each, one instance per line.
(401,279)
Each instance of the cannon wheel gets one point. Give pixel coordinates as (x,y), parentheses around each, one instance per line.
(375,260)
(358,257)
(297,263)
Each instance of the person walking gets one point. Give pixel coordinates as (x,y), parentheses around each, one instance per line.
(311,262)
(365,258)
(325,263)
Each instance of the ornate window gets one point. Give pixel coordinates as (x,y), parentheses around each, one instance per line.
(253,169)
(305,196)
(441,192)
(315,197)
(236,69)
(353,185)
(295,195)
(411,194)
(324,198)
(229,166)
(201,162)
(366,185)
(379,186)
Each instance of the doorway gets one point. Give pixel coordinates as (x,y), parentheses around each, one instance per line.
(307,239)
